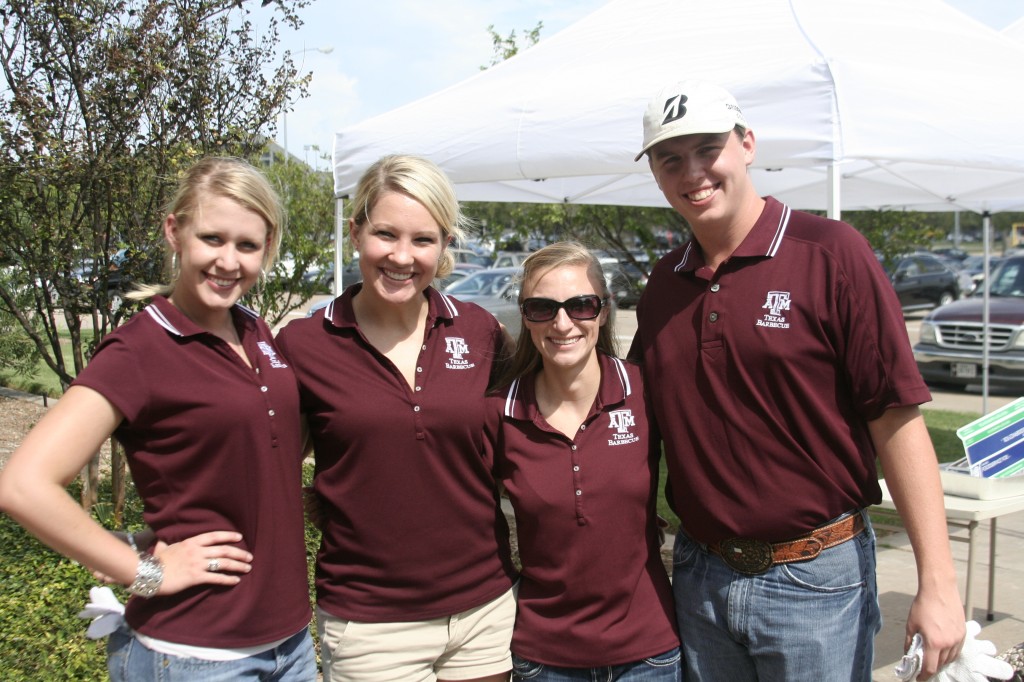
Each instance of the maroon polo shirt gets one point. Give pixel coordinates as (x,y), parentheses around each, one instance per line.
(413,527)
(765,374)
(212,444)
(593,590)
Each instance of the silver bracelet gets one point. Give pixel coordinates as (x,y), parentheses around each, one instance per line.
(148,576)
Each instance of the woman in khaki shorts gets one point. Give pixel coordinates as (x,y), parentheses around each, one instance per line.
(414,575)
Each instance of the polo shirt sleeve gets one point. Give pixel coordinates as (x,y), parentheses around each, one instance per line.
(114,372)
(877,353)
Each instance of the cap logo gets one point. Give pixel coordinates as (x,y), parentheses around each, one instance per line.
(674,109)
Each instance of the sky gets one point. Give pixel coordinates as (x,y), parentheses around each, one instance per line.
(387,53)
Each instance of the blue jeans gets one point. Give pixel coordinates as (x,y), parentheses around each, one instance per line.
(805,621)
(666,667)
(129,661)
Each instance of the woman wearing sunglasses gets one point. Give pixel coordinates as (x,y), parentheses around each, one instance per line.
(573,446)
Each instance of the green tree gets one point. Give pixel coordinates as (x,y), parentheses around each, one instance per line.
(307,244)
(508,46)
(103,102)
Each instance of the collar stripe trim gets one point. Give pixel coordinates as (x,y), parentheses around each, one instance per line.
(686,257)
(161,320)
(451,306)
(620,368)
(780,231)
(510,398)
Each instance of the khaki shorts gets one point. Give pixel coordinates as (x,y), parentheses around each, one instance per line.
(471,644)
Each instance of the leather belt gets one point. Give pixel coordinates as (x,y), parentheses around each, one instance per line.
(753,557)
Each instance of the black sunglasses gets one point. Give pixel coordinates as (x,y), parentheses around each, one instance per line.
(585,307)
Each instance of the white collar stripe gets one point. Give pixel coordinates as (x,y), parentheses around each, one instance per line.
(780,231)
(686,257)
(451,306)
(248,311)
(161,320)
(620,368)
(510,398)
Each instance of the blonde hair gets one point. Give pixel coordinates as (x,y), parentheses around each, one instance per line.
(422,180)
(526,358)
(231,178)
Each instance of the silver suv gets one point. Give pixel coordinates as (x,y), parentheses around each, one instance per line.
(949,352)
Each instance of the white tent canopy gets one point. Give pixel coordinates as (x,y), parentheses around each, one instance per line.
(907,104)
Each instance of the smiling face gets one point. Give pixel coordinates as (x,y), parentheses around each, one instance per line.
(220,253)
(399,247)
(564,343)
(704,176)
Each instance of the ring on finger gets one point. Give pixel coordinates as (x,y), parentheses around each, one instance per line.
(213,566)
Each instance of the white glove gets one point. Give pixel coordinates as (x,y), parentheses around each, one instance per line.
(105,610)
(976,662)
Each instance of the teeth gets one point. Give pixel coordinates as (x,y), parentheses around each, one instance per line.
(400,276)
(222,282)
(565,342)
(701,195)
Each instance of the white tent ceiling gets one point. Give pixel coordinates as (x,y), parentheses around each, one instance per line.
(912,103)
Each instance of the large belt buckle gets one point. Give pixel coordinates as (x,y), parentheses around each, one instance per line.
(748,556)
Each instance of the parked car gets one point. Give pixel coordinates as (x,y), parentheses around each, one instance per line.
(922,280)
(626,282)
(494,289)
(949,352)
(509,259)
(471,257)
(974,266)
(460,271)
(325,278)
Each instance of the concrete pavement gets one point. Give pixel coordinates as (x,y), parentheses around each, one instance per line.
(897,584)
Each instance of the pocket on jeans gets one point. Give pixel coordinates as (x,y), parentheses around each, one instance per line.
(523,669)
(837,569)
(669,658)
(684,550)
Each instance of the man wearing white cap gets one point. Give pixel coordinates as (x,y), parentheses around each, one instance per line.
(779,368)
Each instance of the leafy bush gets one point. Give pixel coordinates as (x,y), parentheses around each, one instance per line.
(41,594)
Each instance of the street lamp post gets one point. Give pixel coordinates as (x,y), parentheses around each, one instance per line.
(284,113)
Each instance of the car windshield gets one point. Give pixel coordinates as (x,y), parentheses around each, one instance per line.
(484,283)
(1008,279)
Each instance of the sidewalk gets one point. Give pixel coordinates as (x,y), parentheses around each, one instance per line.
(897,584)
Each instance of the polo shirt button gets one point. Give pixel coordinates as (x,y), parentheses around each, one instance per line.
(423,347)
(576,468)
(263,389)
(573,447)
(270,412)
(419,388)
(419,369)
(583,427)
(716,286)
(713,317)
(416,408)
(578,493)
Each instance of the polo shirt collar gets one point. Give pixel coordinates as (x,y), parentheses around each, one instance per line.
(763,240)
(615,387)
(340,313)
(167,315)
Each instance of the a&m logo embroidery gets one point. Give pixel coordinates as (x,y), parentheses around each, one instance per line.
(776,304)
(623,422)
(271,354)
(457,348)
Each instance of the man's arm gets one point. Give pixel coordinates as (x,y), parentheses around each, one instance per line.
(912,475)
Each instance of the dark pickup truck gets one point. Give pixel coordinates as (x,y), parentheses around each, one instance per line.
(949,352)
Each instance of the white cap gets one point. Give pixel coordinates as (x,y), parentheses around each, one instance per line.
(688,108)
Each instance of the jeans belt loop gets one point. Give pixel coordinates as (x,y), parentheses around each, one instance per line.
(753,557)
